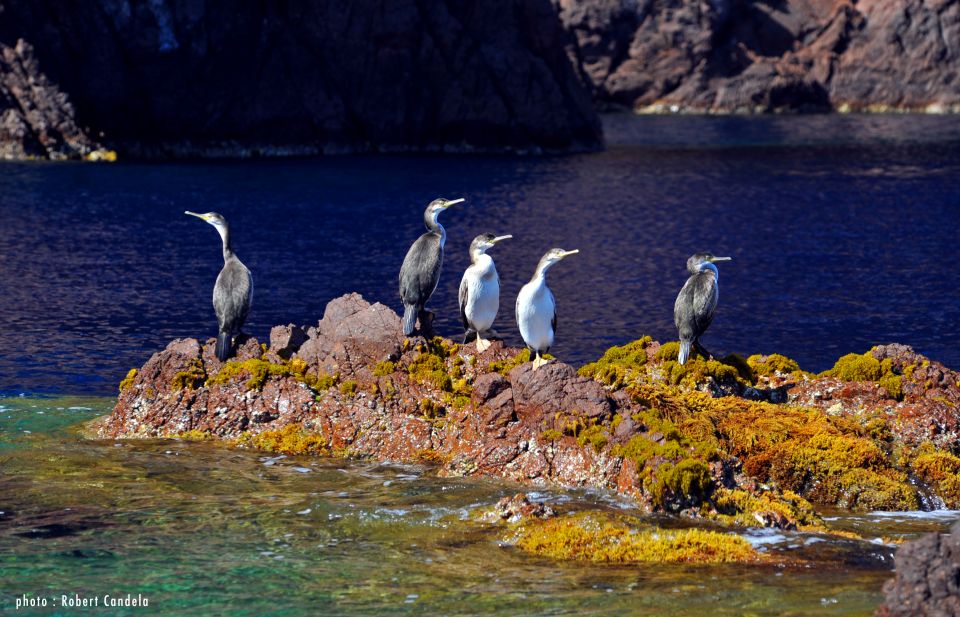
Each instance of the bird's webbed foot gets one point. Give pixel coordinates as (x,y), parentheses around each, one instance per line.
(539,361)
(701,350)
(482,344)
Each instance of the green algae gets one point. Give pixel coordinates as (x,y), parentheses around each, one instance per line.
(866,367)
(292,439)
(940,471)
(195,435)
(506,365)
(621,366)
(772,364)
(747,509)
(349,388)
(601,537)
(258,372)
(430,369)
(191,378)
(127,381)
(596,436)
(550,435)
(384,368)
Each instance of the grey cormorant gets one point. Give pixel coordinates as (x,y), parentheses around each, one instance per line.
(696,303)
(537,308)
(233,291)
(420,271)
(480,291)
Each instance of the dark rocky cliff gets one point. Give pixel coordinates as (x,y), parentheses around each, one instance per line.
(173,78)
(185,77)
(768,55)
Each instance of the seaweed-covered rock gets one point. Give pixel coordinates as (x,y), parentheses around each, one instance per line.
(711,438)
(927,582)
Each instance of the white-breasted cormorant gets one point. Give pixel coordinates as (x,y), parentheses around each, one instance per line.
(233,291)
(537,308)
(480,291)
(420,271)
(696,303)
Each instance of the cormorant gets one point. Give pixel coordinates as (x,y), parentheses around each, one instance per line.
(696,303)
(420,271)
(480,291)
(233,291)
(537,308)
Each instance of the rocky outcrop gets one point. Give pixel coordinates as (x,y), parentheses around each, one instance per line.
(711,438)
(748,55)
(185,78)
(927,582)
(36,118)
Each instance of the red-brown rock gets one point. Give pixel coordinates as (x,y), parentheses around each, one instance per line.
(764,56)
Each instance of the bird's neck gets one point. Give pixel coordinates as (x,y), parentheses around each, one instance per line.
(481,260)
(540,276)
(430,220)
(225,238)
(705,266)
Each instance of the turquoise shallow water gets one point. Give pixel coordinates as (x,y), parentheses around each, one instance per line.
(200,529)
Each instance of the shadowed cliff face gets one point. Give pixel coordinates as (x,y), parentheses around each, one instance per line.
(183,77)
(749,55)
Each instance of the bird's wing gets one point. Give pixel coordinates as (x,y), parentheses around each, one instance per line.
(232,294)
(686,310)
(462,297)
(420,271)
(704,300)
(553,320)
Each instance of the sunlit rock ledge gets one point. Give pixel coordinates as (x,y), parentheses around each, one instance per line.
(753,441)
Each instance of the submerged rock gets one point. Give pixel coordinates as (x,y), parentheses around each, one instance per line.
(746,442)
(927,582)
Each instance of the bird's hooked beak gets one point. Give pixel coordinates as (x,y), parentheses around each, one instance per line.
(499,238)
(199,216)
(453,202)
(568,253)
(716,259)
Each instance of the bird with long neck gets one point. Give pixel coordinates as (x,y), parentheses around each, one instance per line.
(696,303)
(479,296)
(537,309)
(233,291)
(420,271)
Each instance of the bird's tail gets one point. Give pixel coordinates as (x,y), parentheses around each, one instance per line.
(409,319)
(224,340)
(684,352)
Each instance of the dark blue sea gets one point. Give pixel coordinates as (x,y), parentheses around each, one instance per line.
(843,232)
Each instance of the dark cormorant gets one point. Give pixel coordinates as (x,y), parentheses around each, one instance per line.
(420,271)
(480,291)
(233,291)
(537,308)
(696,303)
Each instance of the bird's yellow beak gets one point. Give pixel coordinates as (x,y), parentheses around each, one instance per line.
(720,259)
(568,253)
(499,238)
(199,216)
(453,202)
